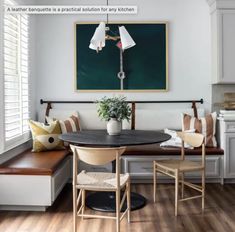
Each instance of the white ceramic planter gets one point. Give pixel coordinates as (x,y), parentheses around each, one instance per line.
(114,127)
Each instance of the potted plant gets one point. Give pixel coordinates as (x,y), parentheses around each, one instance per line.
(114,110)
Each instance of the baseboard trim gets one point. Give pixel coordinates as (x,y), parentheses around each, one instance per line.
(22,208)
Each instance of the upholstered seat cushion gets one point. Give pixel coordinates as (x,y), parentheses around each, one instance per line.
(181,165)
(100,180)
(34,163)
(155,149)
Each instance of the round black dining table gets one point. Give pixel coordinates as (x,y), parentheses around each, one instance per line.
(105,201)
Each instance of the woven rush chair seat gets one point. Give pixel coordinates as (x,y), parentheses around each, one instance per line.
(181,165)
(102,180)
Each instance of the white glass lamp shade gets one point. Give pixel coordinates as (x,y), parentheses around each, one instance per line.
(126,40)
(98,39)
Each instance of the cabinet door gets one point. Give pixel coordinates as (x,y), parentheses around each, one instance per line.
(141,167)
(230,155)
(227,46)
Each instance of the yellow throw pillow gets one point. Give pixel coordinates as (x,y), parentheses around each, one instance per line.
(46,137)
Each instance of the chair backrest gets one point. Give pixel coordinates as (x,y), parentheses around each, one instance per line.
(97,156)
(193,139)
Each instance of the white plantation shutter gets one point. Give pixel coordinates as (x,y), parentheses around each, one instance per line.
(16,76)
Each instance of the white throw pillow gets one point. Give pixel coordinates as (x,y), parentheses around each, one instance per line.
(175,140)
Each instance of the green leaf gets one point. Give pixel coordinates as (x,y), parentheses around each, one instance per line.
(115,107)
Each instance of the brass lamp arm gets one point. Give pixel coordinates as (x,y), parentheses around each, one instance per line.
(114,38)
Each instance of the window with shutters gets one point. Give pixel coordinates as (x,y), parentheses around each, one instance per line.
(16,78)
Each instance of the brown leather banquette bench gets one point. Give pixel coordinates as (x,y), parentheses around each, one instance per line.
(32,181)
(35,163)
(47,163)
(155,149)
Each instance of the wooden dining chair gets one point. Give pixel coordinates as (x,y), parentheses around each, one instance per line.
(177,168)
(99,181)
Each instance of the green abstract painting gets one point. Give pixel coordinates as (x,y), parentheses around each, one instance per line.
(145,65)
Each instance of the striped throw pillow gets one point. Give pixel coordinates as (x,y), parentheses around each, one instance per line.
(205,126)
(70,124)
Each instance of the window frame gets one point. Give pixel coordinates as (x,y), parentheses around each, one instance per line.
(2,128)
(24,137)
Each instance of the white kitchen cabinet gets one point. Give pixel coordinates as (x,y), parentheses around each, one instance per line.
(223,43)
(227,140)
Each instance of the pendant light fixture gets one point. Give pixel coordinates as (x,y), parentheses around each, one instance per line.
(98,39)
(101,35)
(126,40)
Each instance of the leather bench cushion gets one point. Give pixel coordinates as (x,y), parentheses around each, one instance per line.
(34,163)
(46,163)
(155,149)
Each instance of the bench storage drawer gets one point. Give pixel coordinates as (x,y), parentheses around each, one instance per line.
(22,190)
(142,167)
(91,168)
(36,191)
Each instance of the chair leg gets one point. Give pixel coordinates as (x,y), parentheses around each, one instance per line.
(128,186)
(75,209)
(118,211)
(154,182)
(176,191)
(182,185)
(203,190)
(83,201)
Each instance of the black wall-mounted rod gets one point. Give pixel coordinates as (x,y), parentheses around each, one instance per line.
(88,102)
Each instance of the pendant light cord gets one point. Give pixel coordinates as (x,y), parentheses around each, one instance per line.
(115,34)
(107,14)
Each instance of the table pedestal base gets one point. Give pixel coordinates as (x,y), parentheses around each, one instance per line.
(106,202)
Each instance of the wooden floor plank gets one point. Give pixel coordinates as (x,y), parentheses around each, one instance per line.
(219,214)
